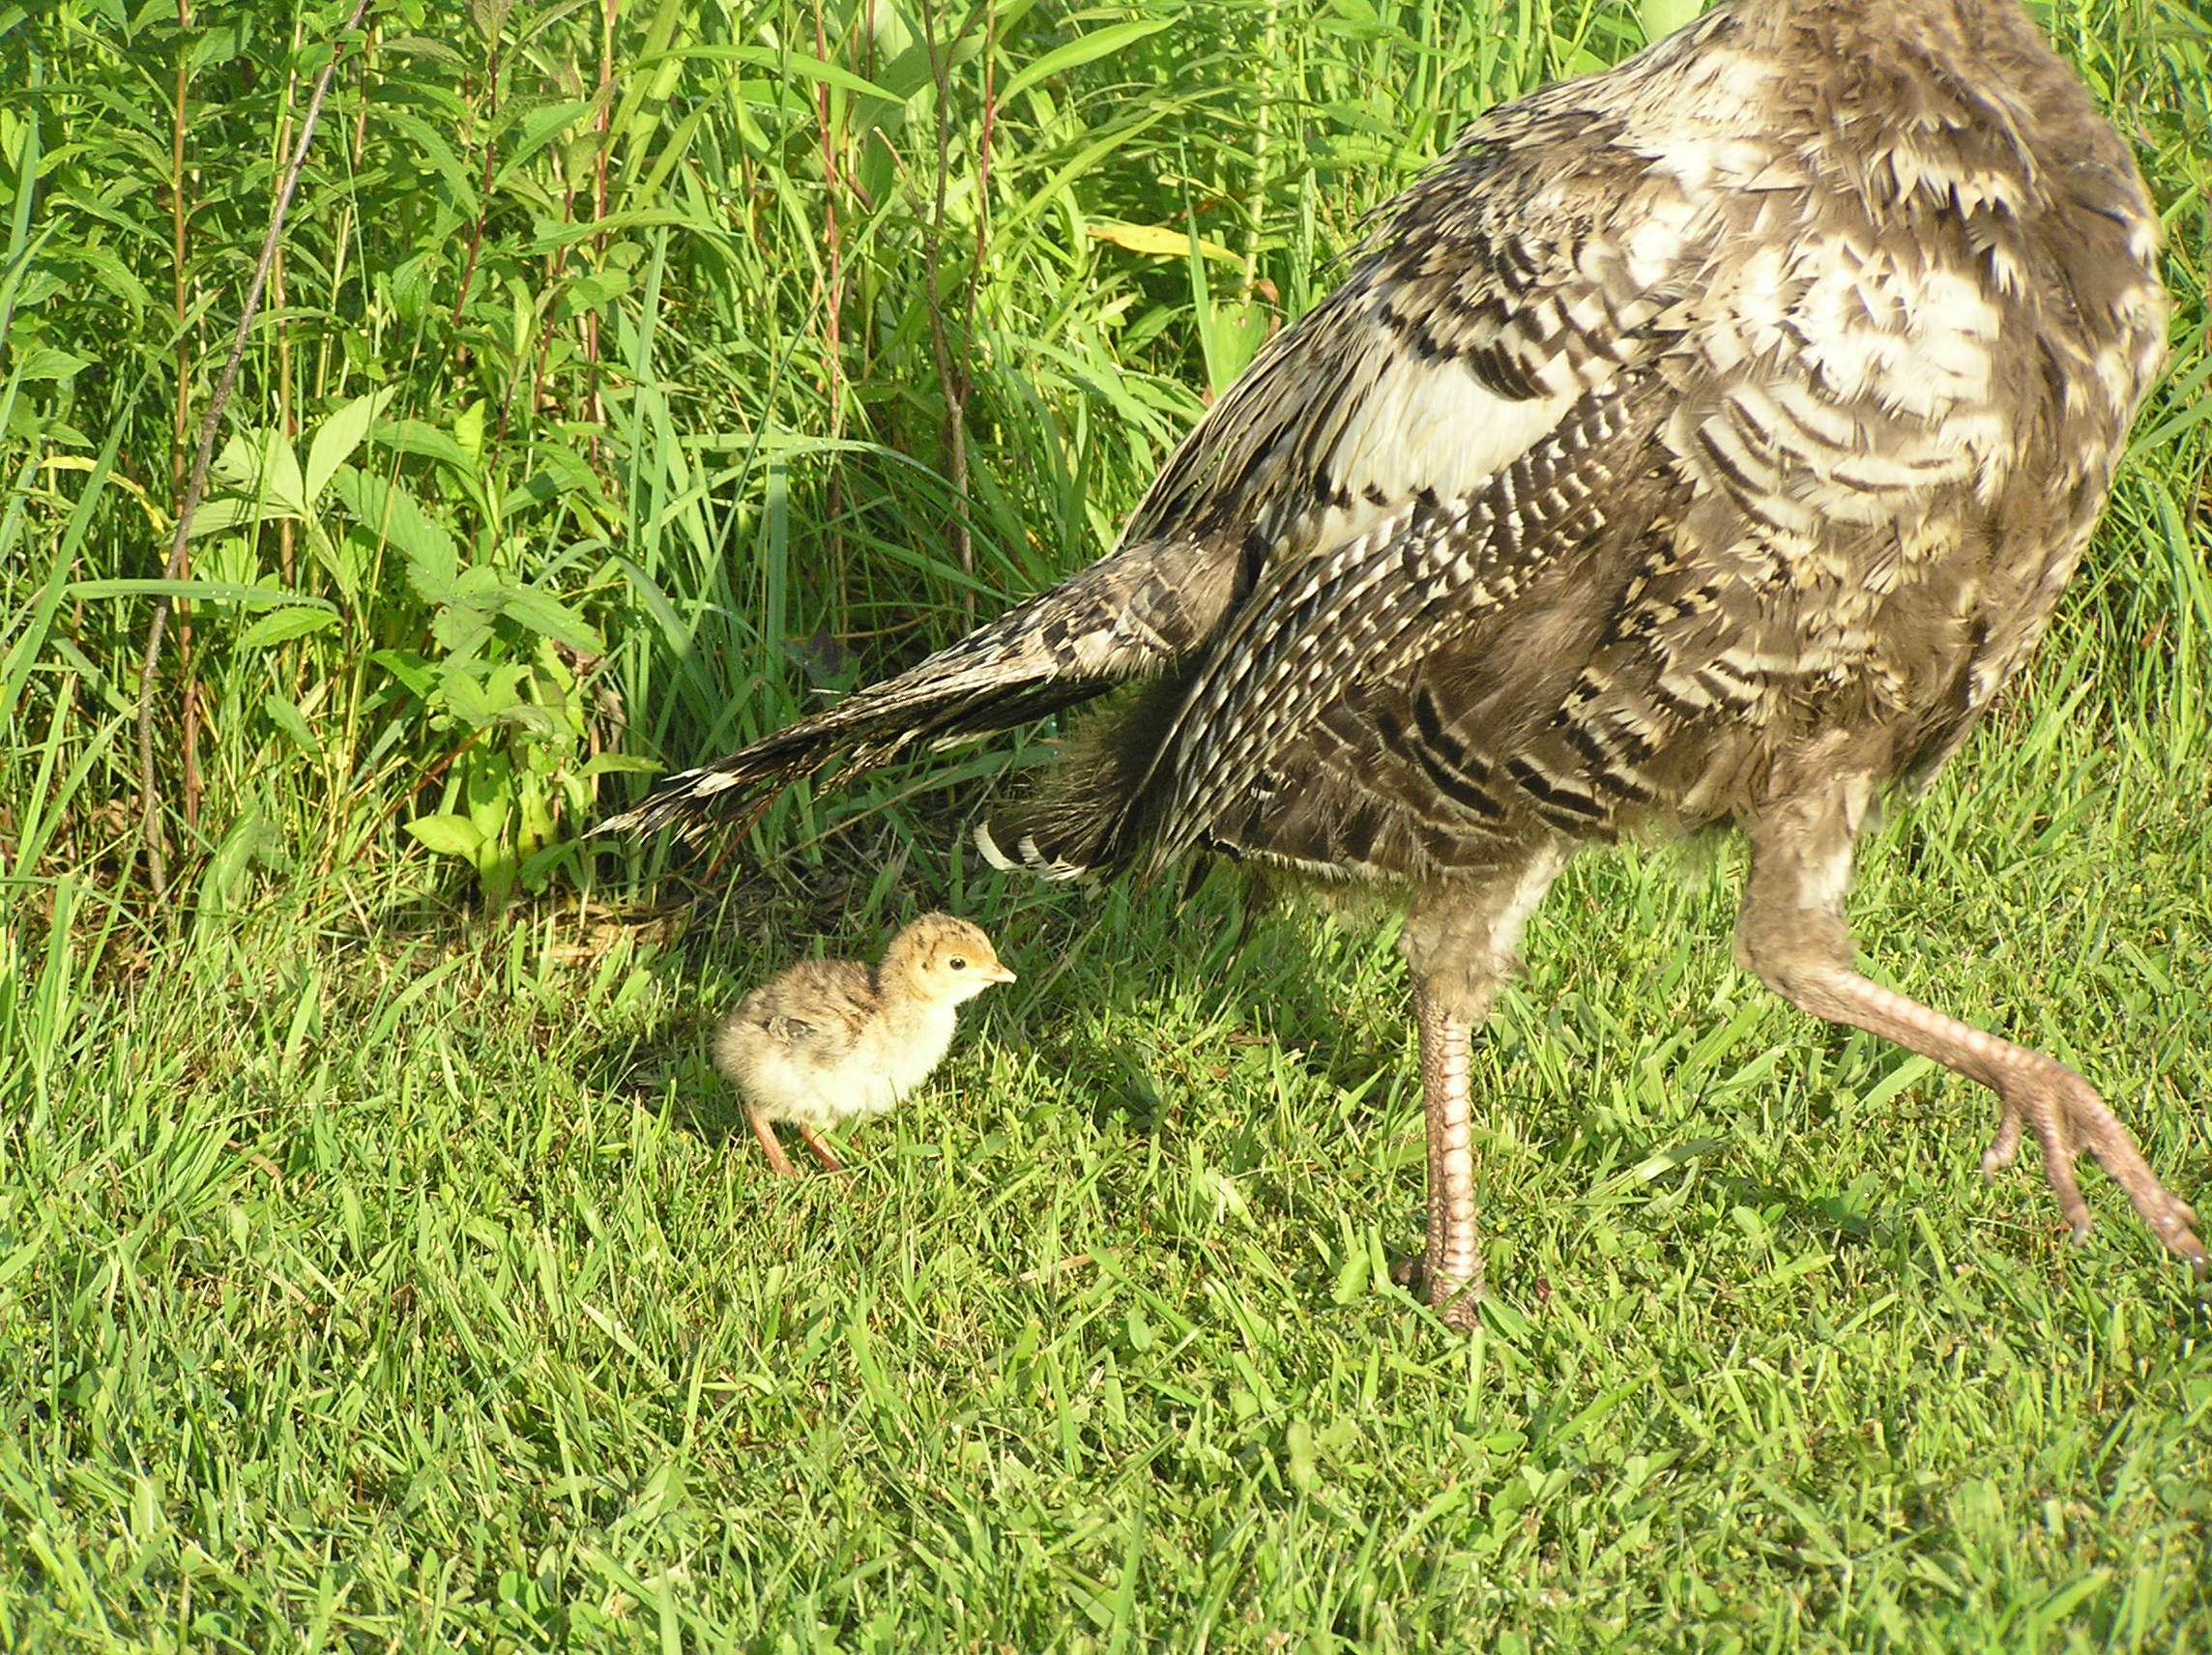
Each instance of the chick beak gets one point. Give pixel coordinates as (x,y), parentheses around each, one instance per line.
(996,973)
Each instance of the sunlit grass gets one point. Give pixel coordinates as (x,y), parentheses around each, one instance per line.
(422,1287)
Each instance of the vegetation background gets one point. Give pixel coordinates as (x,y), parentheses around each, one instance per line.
(377,1267)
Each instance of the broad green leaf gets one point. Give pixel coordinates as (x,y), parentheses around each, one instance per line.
(563,470)
(462,628)
(447,836)
(337,437)
(469,431)
(223,512)
(469,699)
(425,143)
(114,273)
(289,719)
(420,437)
(463,623)
(590,292)
(537,128)
(1661,18)
(410,669)
(261,467)
(281,625)
(541,723)
(44,362)
(547,615)
(385,507)
(412,282)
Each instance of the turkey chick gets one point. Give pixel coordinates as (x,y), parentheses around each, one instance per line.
(834,1041)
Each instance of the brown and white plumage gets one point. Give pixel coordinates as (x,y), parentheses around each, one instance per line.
(1701,442)
(834,1041)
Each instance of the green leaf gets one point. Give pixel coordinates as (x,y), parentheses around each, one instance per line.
(410,669)
(1159,241)
(787,64)
(463,622)
(1302,1463)
(462,628)
(548,616)
(469,431)
(470,699)
(428,147)
(411,284)
(622,763)
(252,839)
(335,438)
(111,272)
(419,437)
(562,470)
(536,129)
(1662,18)
(288,718)
(281,625)
(205,591)
(590,292)
(1096,44)
(447,836)
(541,723)
(44,362)
(213,516)
(385,507)
(260,466)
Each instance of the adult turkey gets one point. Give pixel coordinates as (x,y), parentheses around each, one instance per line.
(1702,442)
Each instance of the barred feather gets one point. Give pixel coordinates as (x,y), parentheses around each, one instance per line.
(1768,383)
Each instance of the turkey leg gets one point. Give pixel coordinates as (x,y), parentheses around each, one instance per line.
(1790,931)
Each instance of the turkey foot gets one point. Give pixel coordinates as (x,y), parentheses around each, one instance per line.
(2039,1093)
(2068,1117)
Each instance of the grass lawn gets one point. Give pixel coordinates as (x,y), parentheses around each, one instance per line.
(404,1285)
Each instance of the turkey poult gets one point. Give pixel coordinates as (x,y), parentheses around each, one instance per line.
(833,1041)
(1699,443)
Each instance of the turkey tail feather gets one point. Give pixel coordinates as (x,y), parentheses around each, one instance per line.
(1126,617)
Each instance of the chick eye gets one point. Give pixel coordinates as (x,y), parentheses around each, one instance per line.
(958,962)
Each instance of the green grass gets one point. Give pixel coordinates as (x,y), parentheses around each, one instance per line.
(377,1288)
(383,1267)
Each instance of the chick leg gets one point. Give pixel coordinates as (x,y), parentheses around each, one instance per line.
(1459,940)
(766,1133)
(813,1141)
(1791,932)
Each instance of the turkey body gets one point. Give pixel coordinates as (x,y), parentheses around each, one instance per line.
(1702,442)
